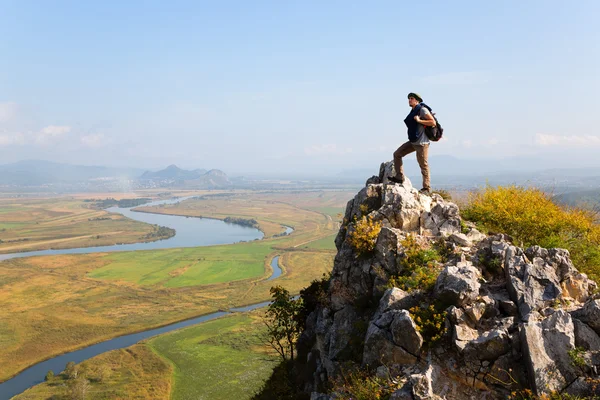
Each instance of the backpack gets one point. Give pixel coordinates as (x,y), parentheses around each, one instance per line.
(434,133)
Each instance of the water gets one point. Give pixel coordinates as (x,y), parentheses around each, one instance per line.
(190,232)
(35,374)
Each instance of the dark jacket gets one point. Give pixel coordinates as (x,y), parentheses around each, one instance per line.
(411,124)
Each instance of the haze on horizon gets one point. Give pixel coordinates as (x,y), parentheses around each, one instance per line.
(248,87)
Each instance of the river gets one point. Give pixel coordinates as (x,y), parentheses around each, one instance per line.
(190,232)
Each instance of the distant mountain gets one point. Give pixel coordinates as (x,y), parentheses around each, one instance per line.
(39,172)
(173,172)
(213,178)
(198,178)
(589,198)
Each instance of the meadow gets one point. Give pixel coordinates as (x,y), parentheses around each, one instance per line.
(220,359)
(54,304)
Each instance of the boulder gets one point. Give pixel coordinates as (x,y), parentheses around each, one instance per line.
(405,333)
(402,207)
(545,346)
(342,331)
(397,299)
(458,285)
(585,337)
(532,286)
(590,314)
(489,345)
(460,239)
(379,349)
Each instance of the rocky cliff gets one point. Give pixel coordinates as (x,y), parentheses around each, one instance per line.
(508,318)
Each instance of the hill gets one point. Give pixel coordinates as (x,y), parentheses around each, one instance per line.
(173,172)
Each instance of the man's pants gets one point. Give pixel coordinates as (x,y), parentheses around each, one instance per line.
(422,152)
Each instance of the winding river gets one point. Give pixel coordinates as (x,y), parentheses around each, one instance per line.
(190,232)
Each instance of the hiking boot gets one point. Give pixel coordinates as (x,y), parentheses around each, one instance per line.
(425,191)
(396,180)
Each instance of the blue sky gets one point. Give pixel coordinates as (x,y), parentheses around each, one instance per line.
(256,86)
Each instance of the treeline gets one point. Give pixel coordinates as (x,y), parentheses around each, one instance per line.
(160,232)
(251,222)
(123,203)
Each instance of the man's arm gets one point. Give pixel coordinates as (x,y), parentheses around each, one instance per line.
(428,121)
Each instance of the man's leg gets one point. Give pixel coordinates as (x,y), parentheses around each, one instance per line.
(403,150)
(422,157)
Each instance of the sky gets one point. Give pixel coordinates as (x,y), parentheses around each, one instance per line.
(254,87)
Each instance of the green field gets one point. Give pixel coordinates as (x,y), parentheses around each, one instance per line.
(327,243)
(221,359)
(188,266)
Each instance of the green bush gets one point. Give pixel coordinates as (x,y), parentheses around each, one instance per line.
(419,267)
(531,218)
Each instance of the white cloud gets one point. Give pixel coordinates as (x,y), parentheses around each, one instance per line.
(457,78)
(12,138)
(7,111)
(567,141)
(326,149)
(51,133)
(95,140)
(467,143)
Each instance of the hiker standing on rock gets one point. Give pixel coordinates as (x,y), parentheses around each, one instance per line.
(419,117)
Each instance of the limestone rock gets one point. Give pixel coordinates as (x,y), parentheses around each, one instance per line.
(402,207)
(461,239)
(489,346)
(397,299)
(545,347)
(590,314)
(585,336)
(341,332)
(458,285)
(380,349)
(405,333)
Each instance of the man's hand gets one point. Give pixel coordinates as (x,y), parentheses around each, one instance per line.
(429,121)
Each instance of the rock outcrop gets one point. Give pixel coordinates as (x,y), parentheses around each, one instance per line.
(514,318)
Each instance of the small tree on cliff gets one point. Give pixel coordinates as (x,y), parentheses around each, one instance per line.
(282,325)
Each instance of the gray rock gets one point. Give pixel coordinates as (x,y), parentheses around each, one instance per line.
(405,393)
(458,285)
(397,299)
(341,332)
(380,349)
(442,218)
(462,334)
(532,286)
(475,236)
(422,385)
(365,201)
(590,314)
(405,333)
(545,346)
(387,248)
(402,207)
(374,180)
(488,346)
(585,336)
(461,239)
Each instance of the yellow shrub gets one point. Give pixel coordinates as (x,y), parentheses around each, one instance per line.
(364,235)
(530,216)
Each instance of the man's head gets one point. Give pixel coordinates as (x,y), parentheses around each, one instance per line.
(414,99)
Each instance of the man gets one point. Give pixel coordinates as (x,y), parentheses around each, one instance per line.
(416,121)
